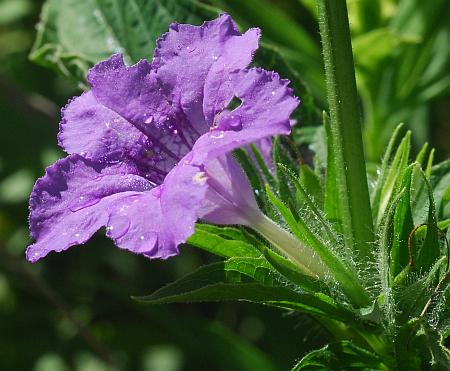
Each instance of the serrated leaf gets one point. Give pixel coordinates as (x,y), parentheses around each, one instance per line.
(226,242)
(343,355)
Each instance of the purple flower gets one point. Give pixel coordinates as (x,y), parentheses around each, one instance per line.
(149,145)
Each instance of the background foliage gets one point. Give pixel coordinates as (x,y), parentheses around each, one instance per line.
(73,311)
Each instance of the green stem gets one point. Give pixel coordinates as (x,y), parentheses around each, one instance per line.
(345,125)
(305,258)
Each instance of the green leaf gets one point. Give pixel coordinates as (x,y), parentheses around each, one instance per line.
(430,250)
(440,183)
(73,35)
(386,237)
(254,177)
(391,176)
(440,355)
(410,346)
(403,226)
(343,355)
(247,279)
(263,166)
(318,223)
(371,48)
(226,242)
(280,158)
(312,185)
(421,155)
(384,173)
(411,299)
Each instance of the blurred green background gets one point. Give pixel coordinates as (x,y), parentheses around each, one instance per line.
(73,311)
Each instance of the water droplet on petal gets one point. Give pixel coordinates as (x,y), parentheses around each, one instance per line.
(118,226)
(82,202)
(273,93)
(190,48)
(234,122)
(149,120)
(217,134)
(215,57)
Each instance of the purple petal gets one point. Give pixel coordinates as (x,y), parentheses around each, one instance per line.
(155,223)
(77,197)
(70,203)
(230,198)
(135,94)
(188,57)
(267,103)
(95,132)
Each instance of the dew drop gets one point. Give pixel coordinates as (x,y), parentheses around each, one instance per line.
(149,120)
(118,226)
(273,93)
(82,202)
(215,57)
(190,49)
(217,135)
(234,122)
